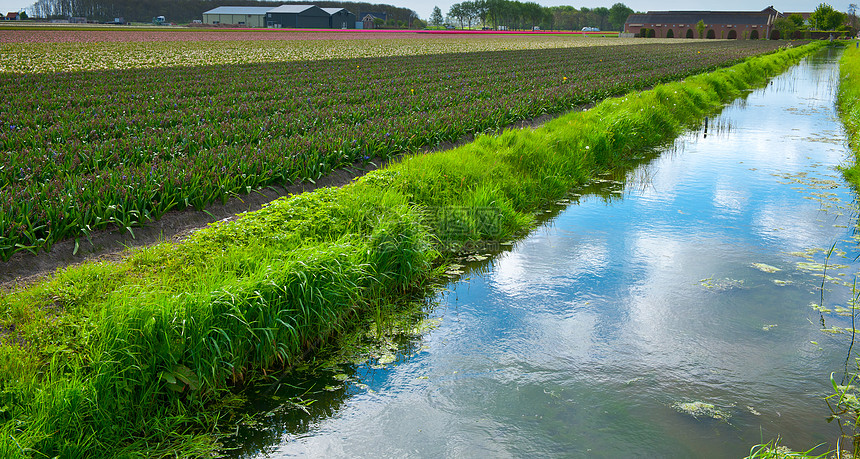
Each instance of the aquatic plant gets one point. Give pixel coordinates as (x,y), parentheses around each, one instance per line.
(773,450)
(699,409)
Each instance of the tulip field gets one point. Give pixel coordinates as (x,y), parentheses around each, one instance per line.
(86,150)
(38,51)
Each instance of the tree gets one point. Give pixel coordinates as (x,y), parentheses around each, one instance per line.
(852,18)
(436,16)
(786,27)
(826,18)
(470,12)
(602,14)
(482,9)
(618,15)
(24,15)
(700,27)
(797,20)
(456,12)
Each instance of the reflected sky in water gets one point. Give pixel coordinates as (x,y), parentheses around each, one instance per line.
(579,341)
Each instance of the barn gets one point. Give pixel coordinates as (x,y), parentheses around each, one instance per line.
(297,17)
(340,18)
(732,25)
(249,16)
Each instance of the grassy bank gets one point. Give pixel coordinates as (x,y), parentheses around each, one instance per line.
(849,106)
(140,356)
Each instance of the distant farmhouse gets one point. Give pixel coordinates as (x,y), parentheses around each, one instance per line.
(13,16)
(282,17)
(368,19)
(732,25)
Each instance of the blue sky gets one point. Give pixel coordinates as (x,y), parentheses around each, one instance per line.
(424,7)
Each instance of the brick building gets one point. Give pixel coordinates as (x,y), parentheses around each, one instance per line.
(732,25)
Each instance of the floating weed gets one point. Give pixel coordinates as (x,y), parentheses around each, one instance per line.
(753,411)
(768,327)
(701,409)
(819,308)
(386,358)
(765,267)
(425,326)
(720,285)
(454,270)
(811,266)
(782,283)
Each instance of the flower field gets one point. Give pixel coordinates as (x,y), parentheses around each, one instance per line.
(91,150)
(24,51)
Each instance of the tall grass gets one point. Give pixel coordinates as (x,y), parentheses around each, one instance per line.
(849,106)
(138,357)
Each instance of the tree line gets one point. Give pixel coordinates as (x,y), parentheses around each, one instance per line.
(513,14)
(183,11)
(824,18)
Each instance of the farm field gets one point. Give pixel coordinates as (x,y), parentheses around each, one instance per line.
(25,51)
(102,149)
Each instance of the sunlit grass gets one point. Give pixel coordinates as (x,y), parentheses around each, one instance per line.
(849,106)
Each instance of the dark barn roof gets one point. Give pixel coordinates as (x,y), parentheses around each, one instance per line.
(692,17)
(239,10)
(291,9)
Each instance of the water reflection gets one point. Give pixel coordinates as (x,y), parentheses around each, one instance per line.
(691,282)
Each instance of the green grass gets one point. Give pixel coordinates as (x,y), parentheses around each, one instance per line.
(849,106)
(140,357)
(773,450)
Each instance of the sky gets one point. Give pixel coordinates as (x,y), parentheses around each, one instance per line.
(425,7)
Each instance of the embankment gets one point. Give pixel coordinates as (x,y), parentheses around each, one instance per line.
(849,106)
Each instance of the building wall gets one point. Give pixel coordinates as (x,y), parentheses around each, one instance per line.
(723,31)
(342,18)
(248,20)
(310,19)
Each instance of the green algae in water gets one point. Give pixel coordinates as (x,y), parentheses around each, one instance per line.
(721,285)
(385,359)
(765,267)
(701,409)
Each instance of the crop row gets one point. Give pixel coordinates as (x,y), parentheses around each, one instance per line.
(113,149)
(98,50)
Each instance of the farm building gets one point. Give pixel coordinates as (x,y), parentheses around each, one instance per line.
(739,25)
(368,19)
(250,16)
(340,18)
(282,17)
(13,16)
(297,17)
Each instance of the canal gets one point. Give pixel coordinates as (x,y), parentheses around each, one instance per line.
(673,310)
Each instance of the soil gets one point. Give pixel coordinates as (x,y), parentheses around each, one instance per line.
(25,268)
